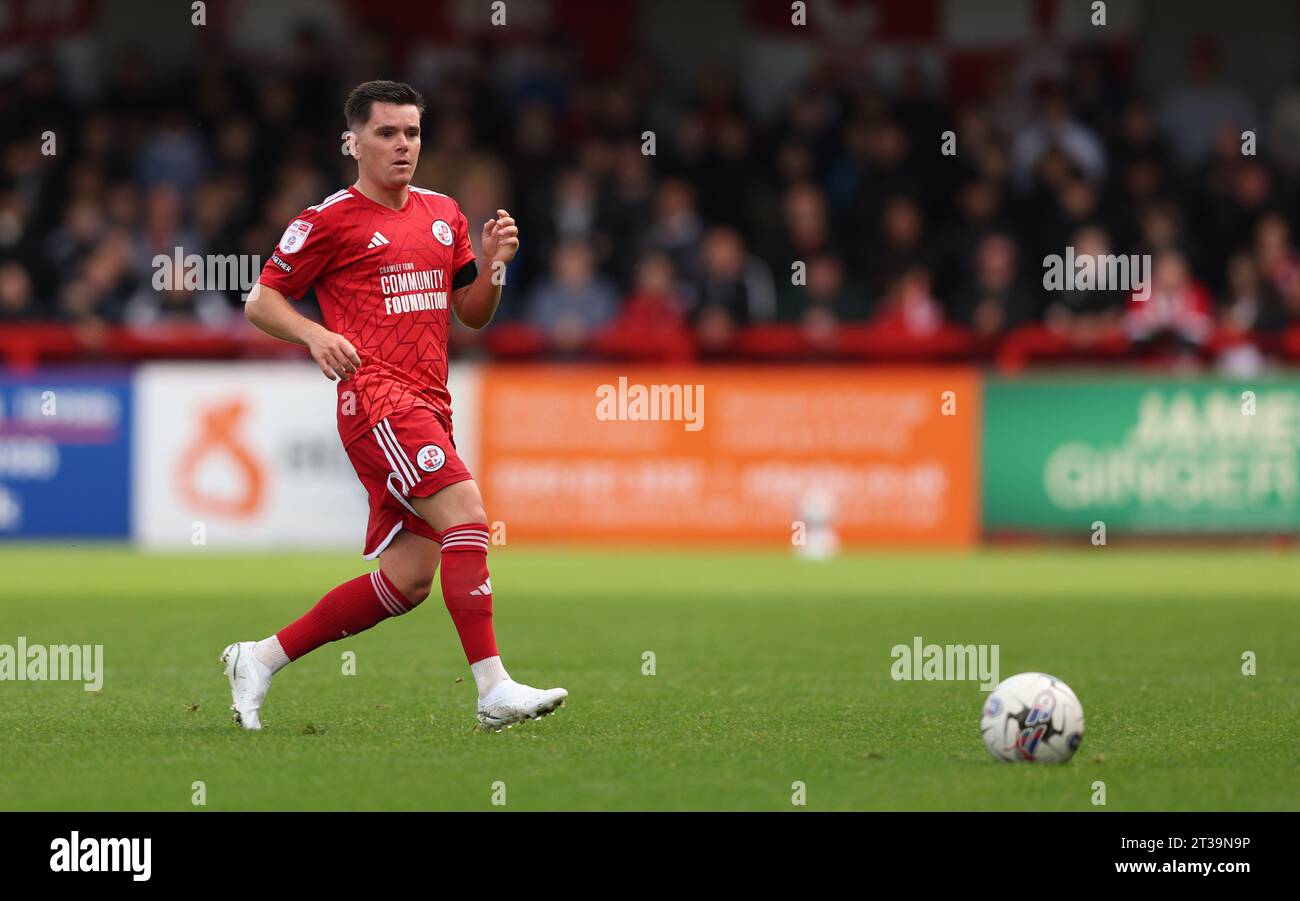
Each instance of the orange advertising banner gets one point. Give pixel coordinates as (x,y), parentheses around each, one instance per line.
(730,454)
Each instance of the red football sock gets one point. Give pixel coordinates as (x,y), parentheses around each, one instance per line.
(350,608)
(467,588)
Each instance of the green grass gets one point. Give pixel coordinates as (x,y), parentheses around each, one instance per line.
(769,671)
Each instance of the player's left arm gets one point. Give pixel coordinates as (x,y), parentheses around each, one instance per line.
(476,303)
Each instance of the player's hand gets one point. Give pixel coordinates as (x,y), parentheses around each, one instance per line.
(335,355)
(500,238)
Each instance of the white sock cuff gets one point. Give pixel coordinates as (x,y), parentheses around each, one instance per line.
(488,672)
(270,654)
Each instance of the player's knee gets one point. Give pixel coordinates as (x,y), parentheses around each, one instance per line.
(466,508)
(415,587)
(414,579)
(474,513)
(457,505)
(463,514)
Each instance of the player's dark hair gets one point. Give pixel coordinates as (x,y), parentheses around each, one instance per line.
(357,107)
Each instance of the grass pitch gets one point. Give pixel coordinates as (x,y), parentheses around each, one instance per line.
(768,671)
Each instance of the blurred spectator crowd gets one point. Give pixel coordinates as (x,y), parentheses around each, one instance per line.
(839,211)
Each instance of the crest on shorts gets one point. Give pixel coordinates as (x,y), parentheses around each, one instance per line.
(295,236)
(442,231)
(430,458)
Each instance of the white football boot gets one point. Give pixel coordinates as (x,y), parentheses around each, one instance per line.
(511,702)
(249,680)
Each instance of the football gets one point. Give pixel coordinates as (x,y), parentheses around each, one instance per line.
(1032,717)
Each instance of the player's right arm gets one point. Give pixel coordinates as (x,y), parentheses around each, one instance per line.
(271,312)
(306,252)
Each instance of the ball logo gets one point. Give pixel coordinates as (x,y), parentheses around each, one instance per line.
(1028,739)
(1042,709)
(993,707)
(1036,725)
(430,458)
(442,231)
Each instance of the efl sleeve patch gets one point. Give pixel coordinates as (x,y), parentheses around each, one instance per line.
(295,236)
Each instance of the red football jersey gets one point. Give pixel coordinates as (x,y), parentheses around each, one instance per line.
(383,278)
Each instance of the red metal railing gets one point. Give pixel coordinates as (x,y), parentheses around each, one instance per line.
(25,346)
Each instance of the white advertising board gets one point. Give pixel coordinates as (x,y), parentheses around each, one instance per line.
(246,456)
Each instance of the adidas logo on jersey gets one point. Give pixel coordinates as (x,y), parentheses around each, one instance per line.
(377,241)
(484,589)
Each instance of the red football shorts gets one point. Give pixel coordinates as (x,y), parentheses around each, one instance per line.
(407,454)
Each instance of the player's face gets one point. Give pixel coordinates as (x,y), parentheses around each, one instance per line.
(388,147)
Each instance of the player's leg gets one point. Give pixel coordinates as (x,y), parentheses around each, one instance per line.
(408,553)
(456,512)
(356,605)
(408,557)
(410,562)
(348,609)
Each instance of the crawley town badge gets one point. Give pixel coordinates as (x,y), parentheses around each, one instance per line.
(295,236)
(430,458)
(441,231)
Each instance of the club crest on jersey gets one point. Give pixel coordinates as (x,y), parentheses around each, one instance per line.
(430,458)
(295,236)
(442,231)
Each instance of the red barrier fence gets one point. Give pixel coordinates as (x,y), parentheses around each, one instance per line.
(25,346)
